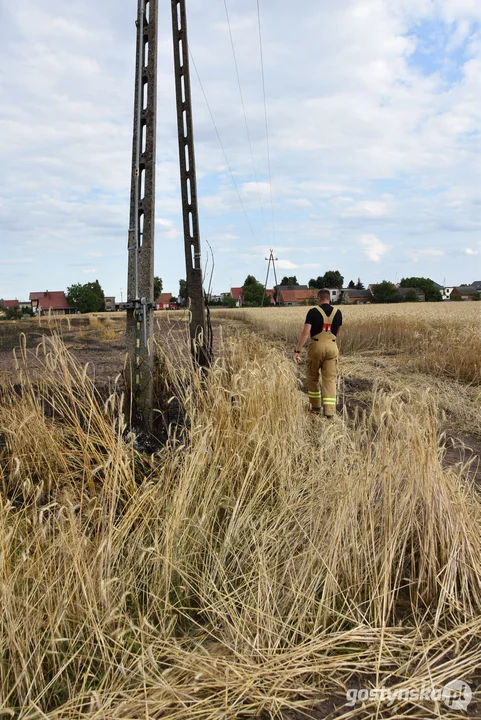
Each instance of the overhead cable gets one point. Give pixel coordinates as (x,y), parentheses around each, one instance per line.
(244,113)
(223,149)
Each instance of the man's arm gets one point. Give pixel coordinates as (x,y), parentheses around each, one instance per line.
(302,341)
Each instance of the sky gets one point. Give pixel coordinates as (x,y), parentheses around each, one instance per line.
(371,163)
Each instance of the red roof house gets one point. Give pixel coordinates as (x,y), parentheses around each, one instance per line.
(11,303)
(53,302)
(239,297)
(163,301)
(296,297)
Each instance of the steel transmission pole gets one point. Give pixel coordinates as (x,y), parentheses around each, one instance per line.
(140,300)
(188,182)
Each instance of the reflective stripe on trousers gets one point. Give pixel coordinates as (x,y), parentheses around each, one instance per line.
(321,369)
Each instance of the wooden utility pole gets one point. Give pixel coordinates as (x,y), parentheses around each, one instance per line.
(140,301)
(188,180)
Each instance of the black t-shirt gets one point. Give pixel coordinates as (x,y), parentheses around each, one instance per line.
(316,320)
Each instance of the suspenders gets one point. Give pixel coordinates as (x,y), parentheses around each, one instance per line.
(327,324)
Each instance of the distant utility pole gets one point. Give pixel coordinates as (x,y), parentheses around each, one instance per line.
(195,292)
(273,260)
(140,291)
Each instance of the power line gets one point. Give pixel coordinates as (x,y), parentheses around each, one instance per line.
(244,113)
(222,148)
(265,114)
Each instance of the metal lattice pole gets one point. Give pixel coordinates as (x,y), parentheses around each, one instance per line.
(188,182)
(140,301)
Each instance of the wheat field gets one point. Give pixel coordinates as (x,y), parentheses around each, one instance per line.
(261,563)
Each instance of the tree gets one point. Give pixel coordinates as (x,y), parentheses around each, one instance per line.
(431,292)
(385,292)
(292,280)
(12,313)
(157,286)
(228,301)
(352,285)
(359,285)
(331,279)
(411,296)
(253,291)
(86,298)
(183,292)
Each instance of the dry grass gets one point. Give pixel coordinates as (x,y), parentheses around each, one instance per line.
(98,328)
(439,338)
(259,563)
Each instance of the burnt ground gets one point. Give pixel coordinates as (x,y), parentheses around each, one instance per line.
(104,349)
(102,346)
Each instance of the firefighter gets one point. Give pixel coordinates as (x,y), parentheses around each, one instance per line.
(323,324)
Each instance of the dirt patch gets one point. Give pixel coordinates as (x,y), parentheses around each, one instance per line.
(464,451)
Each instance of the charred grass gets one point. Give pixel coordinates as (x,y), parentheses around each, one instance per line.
(257,565)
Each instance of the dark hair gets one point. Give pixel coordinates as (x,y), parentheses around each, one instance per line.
(323,294)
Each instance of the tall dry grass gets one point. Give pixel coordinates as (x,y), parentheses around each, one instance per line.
(439,338)
(258,563)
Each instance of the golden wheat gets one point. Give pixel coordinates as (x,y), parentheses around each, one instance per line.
(258,563)
(441,338)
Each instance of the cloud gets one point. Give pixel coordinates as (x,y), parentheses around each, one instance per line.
(300,202)
(374,248)
(166,227)
(288,265)
(469,251)
(416,255)
(372,210)
(383,143)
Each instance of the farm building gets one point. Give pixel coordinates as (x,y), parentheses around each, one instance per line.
(238,296)
(357,297)
(419,293)
(236,293)
(294,297)
(465,292)
(164,303)
(53,302)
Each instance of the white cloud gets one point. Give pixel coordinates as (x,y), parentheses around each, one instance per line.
(288,265)
(416,255)
(374,145)
(469,251)
(166,227)
(374,248)
(300,202)
(374,209)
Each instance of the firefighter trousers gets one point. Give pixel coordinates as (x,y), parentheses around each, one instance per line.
(322,360)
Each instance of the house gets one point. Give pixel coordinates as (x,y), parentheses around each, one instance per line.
(335,293)
(238,296)
(295,297)
(11,304)
(421,296)
(357,297)
(446,292)
(271,297)
(465,292)
(110,304)
(476,284)
(163,302)
(53,302)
